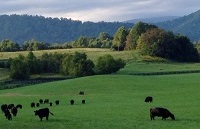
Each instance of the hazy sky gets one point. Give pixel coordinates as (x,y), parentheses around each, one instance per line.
(100,10)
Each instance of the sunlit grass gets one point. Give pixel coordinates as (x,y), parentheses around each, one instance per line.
(112,101)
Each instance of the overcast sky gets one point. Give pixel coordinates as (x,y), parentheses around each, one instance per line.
(100,10)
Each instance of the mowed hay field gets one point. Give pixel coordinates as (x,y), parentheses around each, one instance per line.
(112,102)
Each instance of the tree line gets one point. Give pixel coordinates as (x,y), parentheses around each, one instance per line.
(70,65)
(151,40)
(21,28)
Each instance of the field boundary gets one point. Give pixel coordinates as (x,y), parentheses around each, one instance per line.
(10,84)
(165,73)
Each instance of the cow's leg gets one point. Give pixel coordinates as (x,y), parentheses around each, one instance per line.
(47,117)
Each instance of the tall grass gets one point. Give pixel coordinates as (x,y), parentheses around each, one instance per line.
(112,101)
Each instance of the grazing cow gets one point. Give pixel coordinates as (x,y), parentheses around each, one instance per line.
(81,93)
(10,106)
(8,115)
(40,101)
(32,104)
(148,99)
(72,102)
(57,102)
(14,111)
(19,106)
(83,101)
(161,112)
(4,107)
(37,104)
(50,103)
(44,112)
(46,101)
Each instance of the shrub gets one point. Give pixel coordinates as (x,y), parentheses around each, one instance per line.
(107,64)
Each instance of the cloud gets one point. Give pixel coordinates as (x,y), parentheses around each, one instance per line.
(100,10)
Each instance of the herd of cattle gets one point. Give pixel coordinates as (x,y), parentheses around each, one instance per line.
(11,109)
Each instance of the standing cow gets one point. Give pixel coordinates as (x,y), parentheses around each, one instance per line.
(72,102)
(161,112)
(8,114)
(14,111)
(44,112)
(4,107)
(57,102)
(148,99)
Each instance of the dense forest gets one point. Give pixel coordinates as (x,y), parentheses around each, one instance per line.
(21,28)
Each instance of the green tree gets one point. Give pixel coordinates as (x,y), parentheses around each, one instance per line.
(32,63)
(157,42)
(33,45)
(103,36)
(50,63)
(77,65)
(119,39)
(135,33)
(8,46)
(19,68)
(81,42)
(107,64)
(185,50)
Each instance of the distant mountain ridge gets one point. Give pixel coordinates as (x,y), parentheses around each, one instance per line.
(21,28)
(187,25)
(153,19)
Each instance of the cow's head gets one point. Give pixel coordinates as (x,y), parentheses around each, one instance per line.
(36,112)
(172,116)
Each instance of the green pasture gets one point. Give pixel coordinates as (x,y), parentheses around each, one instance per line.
(148,67)
(112,102)
(92,53)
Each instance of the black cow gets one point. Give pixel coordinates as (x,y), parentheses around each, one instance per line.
(40,101)
(57,102)
(14,111)
(8,115)
(161,112)
(50,103)
(4,107)
(83,101)
(81,93)
(32,104)
(72,102)
(19,106)
(37,104)
(44,112)
(148,99)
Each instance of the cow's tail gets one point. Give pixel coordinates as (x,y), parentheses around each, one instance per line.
(51,113)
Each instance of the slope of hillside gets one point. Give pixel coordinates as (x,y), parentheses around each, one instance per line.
(20,28)
(153,19)
(188,25)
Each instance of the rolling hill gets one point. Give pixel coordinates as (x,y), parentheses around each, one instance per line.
(188,25)
(153,19)
(21,28)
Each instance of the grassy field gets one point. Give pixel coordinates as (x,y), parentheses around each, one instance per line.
(92,53)
(112,101)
